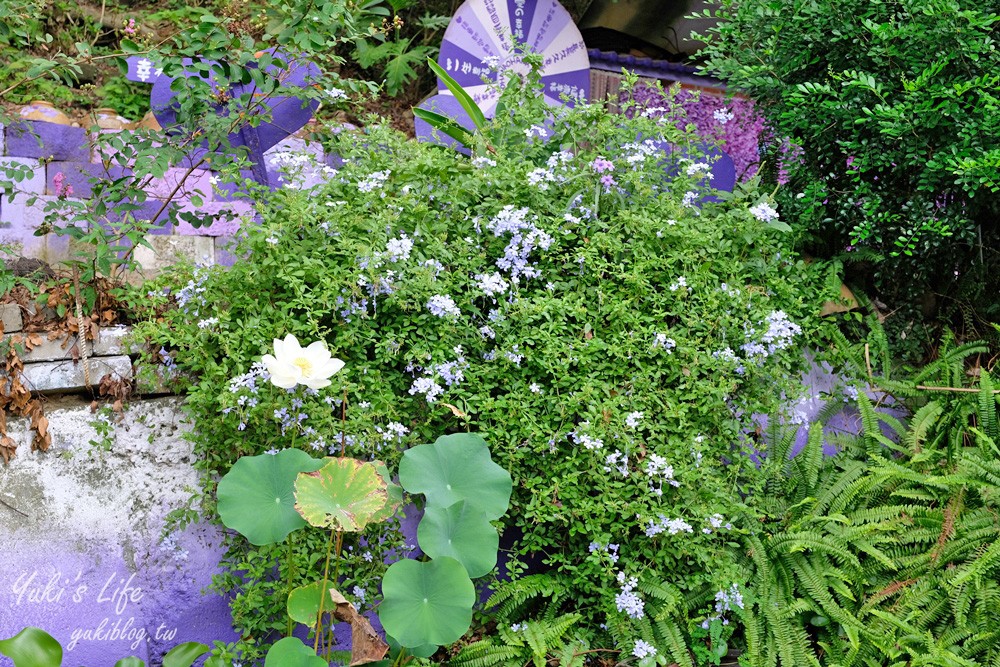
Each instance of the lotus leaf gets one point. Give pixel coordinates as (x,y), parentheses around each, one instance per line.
(130,661)
(395,492)
(32,647)
(457,467)
(303,603)
(256,496)
(426,603)
(291,652)
(345,494)
(462,532)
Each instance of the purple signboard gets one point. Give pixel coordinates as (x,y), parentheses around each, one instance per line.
(489,32)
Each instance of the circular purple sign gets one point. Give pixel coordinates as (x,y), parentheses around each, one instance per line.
(485,32)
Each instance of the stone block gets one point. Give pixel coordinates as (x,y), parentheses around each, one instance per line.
(33,184)
(33,138)
(110,342)
(10,317)
(224,247)
(19,220)
(51,376)
(169,250)
(78,176)
(156,210)
(182,183)
(221,218)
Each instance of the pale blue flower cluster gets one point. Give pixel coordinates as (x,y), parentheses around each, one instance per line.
(627,600)
(669,526)
(643,649)
(442,305)
(525,238)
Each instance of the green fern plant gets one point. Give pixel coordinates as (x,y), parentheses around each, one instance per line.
(889,553)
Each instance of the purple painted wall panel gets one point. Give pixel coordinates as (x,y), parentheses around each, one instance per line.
(86,553)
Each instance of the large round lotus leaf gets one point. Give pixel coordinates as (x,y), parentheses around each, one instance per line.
(425,651)
(130,661)
(291,652)
(462,532)
(256,496)
(345,494)
(457,467)
(395,492)
(303,603)
(32,647)
(426,603)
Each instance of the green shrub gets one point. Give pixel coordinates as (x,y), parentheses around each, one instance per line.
(896,110)
(605,333)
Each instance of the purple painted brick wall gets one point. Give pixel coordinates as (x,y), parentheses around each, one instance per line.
(63,160)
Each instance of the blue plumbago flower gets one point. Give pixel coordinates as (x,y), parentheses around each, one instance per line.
(661,340)
(617,461)
(628,600)
(589,442)
(677,284)
(633,418)
(778,336)
(725,600)
(492,284)
(359,593)
(191,297)
(541,178)
(248,380)
(536,131)
(435,265)
(640,152)
(398,250)
(699,169)
(716,522)
(428,387)
(610,551)
(443,306)
(643,649)
(764,212)
(690,199)
(392,431)
(850,393)
(670,526)
(659,471)
(481,162)
(513,356)
(534,388)
(373,181)
(525,238)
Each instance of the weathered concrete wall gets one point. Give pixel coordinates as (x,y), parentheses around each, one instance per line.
(81,539)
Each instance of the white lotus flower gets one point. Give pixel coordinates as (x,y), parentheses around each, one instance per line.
(292,364)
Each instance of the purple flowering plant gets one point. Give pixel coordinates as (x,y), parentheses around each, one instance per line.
(606,339)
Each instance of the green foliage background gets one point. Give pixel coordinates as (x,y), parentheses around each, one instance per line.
(895,106)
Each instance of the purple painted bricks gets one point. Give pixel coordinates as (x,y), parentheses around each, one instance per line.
(38,139)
